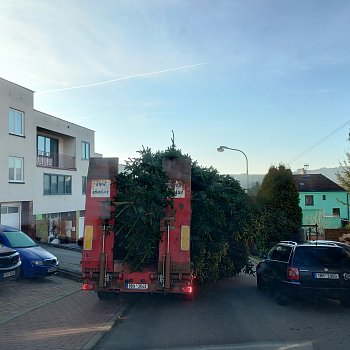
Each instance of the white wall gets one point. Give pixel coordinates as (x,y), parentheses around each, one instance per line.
(19,98)
(12,95)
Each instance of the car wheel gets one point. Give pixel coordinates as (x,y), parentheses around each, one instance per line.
(345,302)
(280,297)
(20,273)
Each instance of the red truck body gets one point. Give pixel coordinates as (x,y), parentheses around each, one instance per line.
(102,270)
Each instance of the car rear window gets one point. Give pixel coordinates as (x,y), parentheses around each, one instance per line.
(280,253)
(320,255)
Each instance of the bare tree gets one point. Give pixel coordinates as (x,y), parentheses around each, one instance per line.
(343,176)
(317,219)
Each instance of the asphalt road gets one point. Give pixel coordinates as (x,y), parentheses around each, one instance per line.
(69,260)
(232,312)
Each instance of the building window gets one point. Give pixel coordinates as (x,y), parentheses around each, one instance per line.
(54,184)
(57,184)
(84,184)
(336,212)
(324,197)
(15,169)
(47,146)
(16,122)
(61,184)
(68,184)
(47,184)
(9,209)
(309,200)
(85,150)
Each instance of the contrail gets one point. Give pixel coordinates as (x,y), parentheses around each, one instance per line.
(123,78)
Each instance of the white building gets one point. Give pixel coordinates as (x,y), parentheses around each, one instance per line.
(43,167)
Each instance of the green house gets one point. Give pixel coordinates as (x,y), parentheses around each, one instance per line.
(322,201)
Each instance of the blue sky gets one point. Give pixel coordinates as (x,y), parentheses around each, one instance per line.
(269,77)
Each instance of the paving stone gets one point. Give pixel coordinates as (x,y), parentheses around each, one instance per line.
(53,313)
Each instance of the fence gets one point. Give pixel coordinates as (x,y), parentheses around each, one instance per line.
(336,234)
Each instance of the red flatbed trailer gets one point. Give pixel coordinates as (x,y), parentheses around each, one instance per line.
(102,270)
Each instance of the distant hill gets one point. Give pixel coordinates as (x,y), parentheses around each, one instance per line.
(330,173)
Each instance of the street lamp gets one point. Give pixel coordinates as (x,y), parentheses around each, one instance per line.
(222,148)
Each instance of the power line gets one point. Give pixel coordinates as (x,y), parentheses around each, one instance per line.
(319,142)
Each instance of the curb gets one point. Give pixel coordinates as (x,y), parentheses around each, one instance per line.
(97,337)
(76,249)
(72,275)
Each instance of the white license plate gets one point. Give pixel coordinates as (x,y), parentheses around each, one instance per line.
(332,276)
(51,269)
(137,286)
(9,274)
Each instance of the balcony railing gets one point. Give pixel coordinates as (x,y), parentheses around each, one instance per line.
(54,160)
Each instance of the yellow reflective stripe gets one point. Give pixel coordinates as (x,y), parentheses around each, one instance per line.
(185,237)
(88,234)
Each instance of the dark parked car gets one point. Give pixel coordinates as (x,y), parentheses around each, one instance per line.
(318,270)
(10,263)
(340,244)
(36,261)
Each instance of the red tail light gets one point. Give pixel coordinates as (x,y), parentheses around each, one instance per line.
(186,289)
(87,286)
(153,276)
(120,276)
(293,273)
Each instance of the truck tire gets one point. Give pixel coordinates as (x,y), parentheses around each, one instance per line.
(280,296)
(103,295)
(188,297)
(345,302)
(259,283)
(183,297)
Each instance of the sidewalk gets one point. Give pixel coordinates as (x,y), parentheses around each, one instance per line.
(53,313)
(69,257)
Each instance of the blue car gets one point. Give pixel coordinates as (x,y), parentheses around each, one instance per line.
(36,261)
